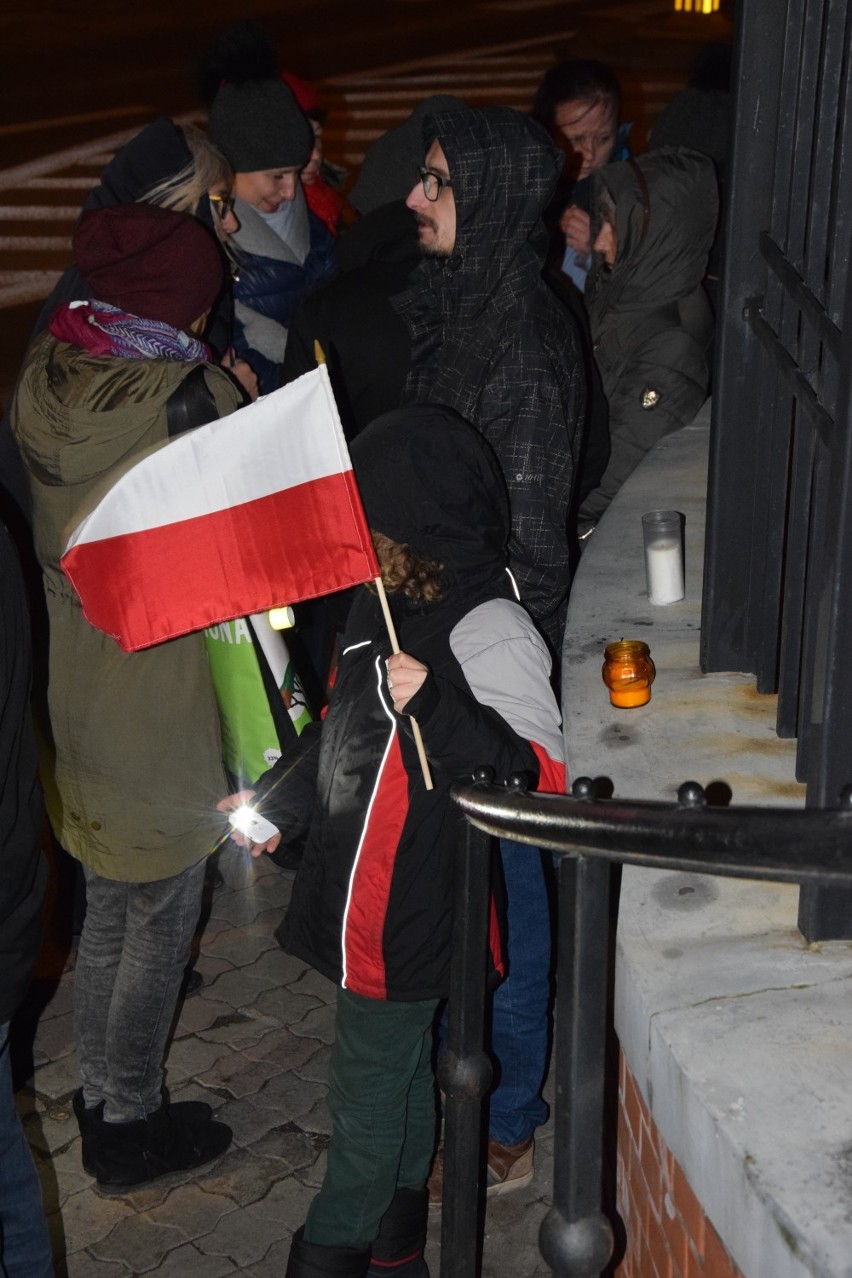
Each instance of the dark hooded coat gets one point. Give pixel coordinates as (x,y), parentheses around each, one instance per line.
(490,340)
(651,322)
(372,903)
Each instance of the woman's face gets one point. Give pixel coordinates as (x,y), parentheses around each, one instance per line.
(267,189)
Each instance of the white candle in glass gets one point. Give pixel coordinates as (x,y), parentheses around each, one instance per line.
(663,538)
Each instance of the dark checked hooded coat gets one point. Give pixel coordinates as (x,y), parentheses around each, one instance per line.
(491,341)
(372,902)
(651,321)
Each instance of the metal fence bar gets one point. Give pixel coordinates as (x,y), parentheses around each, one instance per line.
(464,1070)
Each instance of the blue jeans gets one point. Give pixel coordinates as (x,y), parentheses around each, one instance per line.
(24,1240)
(520,1032)
(134,947)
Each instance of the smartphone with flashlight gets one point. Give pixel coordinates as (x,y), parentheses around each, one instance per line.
(250,823)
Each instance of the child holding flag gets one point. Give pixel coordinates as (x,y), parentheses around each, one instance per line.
(372,905)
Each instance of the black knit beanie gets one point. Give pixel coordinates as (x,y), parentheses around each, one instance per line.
(257,124)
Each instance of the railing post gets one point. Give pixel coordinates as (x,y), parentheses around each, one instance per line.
(464,1071)
(576,1238)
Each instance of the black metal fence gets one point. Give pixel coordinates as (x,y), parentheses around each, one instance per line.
(778,569)
(576,1237)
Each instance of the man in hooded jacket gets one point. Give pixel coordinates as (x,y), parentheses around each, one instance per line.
(654,219)
(490,340)
(488,337)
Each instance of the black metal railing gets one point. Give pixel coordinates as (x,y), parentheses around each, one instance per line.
(589,834)
(778,565)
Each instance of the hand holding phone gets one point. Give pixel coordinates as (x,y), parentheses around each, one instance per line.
(251,824)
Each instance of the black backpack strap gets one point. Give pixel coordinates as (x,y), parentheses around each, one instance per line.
(192,404)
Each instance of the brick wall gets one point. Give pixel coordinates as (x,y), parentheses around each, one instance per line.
(668,1235)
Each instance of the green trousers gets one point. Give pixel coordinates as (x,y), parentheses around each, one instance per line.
(383,1107)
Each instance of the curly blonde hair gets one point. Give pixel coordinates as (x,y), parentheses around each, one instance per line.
(420,579)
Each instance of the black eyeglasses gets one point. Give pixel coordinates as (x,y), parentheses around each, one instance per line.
(222,205)
(433,183)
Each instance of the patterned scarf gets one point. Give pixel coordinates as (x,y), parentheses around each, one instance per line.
(105,330)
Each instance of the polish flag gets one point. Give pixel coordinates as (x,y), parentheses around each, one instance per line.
(256,510)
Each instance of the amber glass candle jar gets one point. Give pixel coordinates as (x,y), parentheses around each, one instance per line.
(628,672)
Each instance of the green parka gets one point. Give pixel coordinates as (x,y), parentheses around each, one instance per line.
(650,318)
(138,757)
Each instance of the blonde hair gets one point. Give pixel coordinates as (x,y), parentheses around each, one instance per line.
(185,190)
(419,578)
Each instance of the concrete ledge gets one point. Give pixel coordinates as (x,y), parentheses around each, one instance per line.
(736,1032)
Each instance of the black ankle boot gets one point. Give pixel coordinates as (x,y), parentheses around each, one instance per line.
(129,1154)
(398,1249)
(310,1260)
(91,1121)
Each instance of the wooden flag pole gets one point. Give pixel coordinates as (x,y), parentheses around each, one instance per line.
(319,356)
(415,726)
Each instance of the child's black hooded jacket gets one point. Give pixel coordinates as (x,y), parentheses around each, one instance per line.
(371,906)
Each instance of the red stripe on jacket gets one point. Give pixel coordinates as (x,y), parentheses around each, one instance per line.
(364,922)
(552,778)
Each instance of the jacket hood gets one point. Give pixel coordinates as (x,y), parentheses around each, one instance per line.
(430,481)
(157,153)
(666,207)
(504,169)
(76,415)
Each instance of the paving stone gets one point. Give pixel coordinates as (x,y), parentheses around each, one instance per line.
(273,1263)
(286,1008)
(235,907)
(247,1121)
(61,1175)
(290,1145)
(47,1134)
(190,1058)
(245,1175)
(243,1236)
(236,1074)
(192,1209)
(55,1036)
(240,1030)
(59,1078)
(318,1120)
(189,1262)
(283,1046)
(62,1000)
(318,1023)
(194,1091)
(199,1014)
(314,983)
(86,1219)
(290,1097)
(212,927)
(83,1265)
(314,1175)
(240,988)
(286,1203)
(240,945)
(209,968)
(139,1242)
(316,1068)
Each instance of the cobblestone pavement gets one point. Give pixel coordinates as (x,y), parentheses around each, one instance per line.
(255,1044)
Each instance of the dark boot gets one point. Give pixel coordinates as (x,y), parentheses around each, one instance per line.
(130,1154)
(91,1122)
(398,1249)
(310,1260)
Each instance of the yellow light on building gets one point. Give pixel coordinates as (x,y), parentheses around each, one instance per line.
(696,6)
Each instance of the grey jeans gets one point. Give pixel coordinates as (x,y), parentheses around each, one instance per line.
(134,948)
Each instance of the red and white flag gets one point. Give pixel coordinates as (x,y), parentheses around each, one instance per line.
(256,510)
